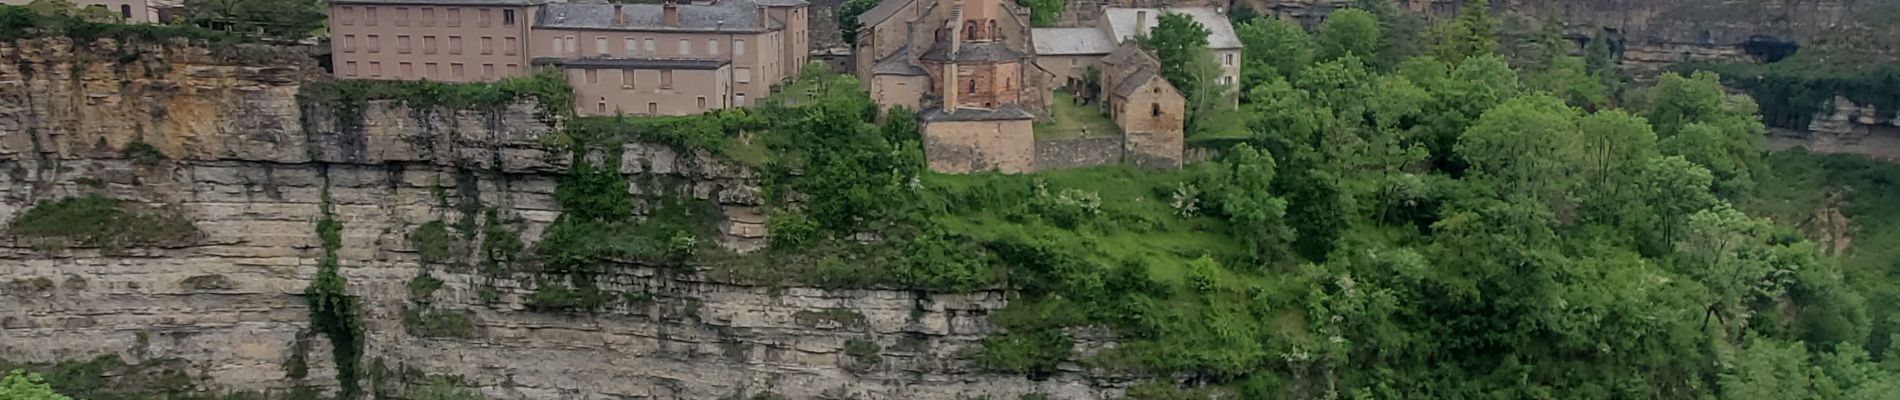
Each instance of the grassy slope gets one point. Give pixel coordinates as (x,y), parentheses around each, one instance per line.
(1798,184)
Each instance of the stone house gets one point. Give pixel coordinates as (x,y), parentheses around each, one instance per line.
(1074,49)
(1150,111)
(650,59)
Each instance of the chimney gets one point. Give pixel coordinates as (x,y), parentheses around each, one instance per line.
(669,14)
(1141,22)
(620,15)
(765,19)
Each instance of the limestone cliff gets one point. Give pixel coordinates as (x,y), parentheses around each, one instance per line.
(225,143)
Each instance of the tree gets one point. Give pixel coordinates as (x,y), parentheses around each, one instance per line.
(1238,188)
(1729,253)
(1275,48)
(1473,33)
(1349,32)
(1043,13)
(1400,32)
(22,385)
(1768,369)
(278,19)
(848,13)
(1177,40)
(68,9)
(1529,144)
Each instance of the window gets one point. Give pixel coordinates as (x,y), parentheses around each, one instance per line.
(407,70)
(455,17)
(738,100)
(507,17)
(375,68)
(557,45)
(686,47)
(375,44)
(626,79)
(738,47)
(650,48)
(349,68)
(514,68)
(346,15)
(349,43)
(653,108)
(1227,60)
(428,45)
(402,16)
(712,46)
(1154,109)
(428,16)
(508,46)
(488,71)
(482,17)
(369,16)
(600,45)
(455,45)
(402,44)
(744,75)
(600,107)
(1071,62)
(1006,82)
(431,71)
(456,69)
(488,45)
(702,103)
(633,46)
(573,45)
(125,11)
(666,79)
(593,76)
(971,88)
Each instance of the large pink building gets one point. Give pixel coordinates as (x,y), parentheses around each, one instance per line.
(667,59)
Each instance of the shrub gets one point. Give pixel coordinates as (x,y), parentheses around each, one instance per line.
(1034,353)
(438,323)
(423,287)
(432,241)
(95,220)
(866,352)
(1204,274)
(143,153)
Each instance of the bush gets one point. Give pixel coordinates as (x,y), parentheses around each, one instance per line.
(438,323)
(94,220)
(432,241)
(865,352)
(423,287)
(1034,353)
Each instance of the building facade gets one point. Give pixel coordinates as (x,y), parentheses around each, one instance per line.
(968,67)
(667,59)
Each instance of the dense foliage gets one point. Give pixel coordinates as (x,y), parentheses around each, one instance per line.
(1795,90)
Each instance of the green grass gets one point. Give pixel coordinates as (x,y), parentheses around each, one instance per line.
(95,220)
(1071,120)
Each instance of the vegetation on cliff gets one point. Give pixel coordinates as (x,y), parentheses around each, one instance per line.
(333,311)
(94,220)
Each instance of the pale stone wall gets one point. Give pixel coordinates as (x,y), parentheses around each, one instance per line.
(980,146)
(1067,69)
(895,90)
(1155,139)
(1058,154)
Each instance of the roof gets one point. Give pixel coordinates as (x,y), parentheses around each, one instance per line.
(1128,51)
(884,10)
(722,16)
(898,64)
(1000,113)
(1071,41)
(1220,33)
(780,3)
(446,2)
(635,63)
(1134,82)
(968,52)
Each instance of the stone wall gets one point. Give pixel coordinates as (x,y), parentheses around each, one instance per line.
(1057,154)
(961,147)
(234,151)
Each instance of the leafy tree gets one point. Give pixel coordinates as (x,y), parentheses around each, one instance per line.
(1530,144)
(1043,13)
(279,19)
(1472,34)
(848,13)
(1400,31)
(1275,48)
(1349,32)
(1177,40)
(1238,188)
(68,9)
(22,385)
(1768,369)
(1730,254)
(1673,188)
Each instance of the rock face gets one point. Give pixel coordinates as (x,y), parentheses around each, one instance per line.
(226,143)
(1850,128)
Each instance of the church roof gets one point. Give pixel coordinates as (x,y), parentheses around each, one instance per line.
(968,52)
(884,10)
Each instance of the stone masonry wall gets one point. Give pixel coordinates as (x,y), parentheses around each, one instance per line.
(248,164)
(1056,154)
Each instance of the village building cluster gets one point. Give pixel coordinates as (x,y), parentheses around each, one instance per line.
(979,76)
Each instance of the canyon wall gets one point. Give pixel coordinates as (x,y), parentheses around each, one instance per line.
(224,142)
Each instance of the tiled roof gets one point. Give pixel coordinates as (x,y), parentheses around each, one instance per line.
(1000,113)
(969,52)
(722,16)
(635,63)
(1220,33)
(1133,82)
(898,64)
(1071,41)
(883,10)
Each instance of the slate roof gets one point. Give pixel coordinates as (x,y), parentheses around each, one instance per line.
(1002,112)
(780,3)
(635,63)
(445,2)
(1071,41)
(722,16)
(1220,33)
(972,52)
(898,64)
(1133,82)
(884,10)
(1128,51)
